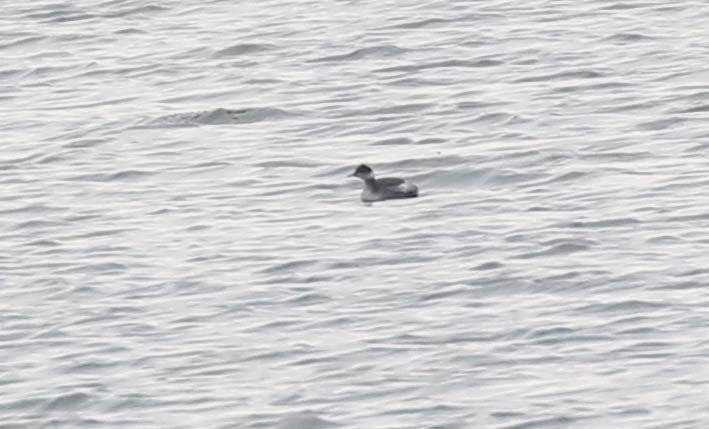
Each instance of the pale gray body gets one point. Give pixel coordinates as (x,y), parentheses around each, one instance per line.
(388,188)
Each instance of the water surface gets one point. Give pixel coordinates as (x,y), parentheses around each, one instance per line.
(180,246)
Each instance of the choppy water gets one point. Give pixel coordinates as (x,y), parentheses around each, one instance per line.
(180,247)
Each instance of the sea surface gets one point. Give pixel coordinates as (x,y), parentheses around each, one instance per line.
(181,247)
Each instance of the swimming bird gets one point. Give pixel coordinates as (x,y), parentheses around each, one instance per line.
(385,188)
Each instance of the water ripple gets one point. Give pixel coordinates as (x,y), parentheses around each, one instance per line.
(219,116)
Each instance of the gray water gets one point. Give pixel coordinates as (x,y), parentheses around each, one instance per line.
(180,246)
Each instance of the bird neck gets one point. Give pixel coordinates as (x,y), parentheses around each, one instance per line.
(371,184)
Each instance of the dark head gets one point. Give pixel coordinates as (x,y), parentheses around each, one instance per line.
(363,172)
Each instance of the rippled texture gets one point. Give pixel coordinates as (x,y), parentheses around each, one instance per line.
(180,247)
